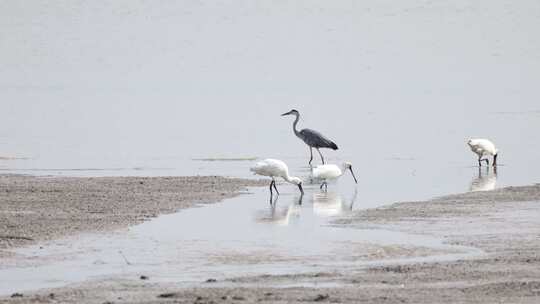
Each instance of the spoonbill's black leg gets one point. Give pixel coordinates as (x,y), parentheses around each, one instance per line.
(311,153)
(487,161)
(276,188)
(480,161)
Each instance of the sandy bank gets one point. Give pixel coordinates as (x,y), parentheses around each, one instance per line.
(42,208)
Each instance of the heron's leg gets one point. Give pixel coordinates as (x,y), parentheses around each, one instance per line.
(322,185)
(325,187)
(311,153)
(322,158)
(480,161)
(276,187)
(487,161)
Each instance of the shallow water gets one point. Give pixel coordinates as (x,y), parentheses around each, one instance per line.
(242,236)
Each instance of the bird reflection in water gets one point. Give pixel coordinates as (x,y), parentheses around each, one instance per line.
(282,215)
(327,204)
(486,180)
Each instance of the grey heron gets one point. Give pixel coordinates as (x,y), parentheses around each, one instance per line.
(312,138)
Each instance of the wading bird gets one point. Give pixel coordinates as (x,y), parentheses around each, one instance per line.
(483,147)
(276,168)
(331,172)
(312,138)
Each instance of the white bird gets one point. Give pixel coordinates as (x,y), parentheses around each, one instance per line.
(331,172)
(483,147)
(276,168)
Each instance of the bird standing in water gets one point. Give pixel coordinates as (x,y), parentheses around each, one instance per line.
(312,138)
(331,172)
(483,147)
(276,168)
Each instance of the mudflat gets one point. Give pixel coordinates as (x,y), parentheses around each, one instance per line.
(504,225)
(35,209)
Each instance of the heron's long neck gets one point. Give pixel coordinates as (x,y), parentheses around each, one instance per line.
(295,123)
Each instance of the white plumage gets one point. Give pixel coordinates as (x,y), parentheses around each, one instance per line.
(328,172)
(331,172)
(483,147)
(276,168)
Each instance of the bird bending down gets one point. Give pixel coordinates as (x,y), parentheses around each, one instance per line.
(483,147)
(312,138)
(331,172)
(276,168)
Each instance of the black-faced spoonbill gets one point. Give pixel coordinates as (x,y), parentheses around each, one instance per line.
(276,168)
(312,138)
(483,147)
(331,172)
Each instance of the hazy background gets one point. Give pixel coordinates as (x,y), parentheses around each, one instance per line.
(143,87)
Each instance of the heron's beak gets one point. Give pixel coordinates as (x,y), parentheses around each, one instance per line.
(288,113)
(350,168)
(300,187)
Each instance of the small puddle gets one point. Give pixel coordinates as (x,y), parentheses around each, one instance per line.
(244,235)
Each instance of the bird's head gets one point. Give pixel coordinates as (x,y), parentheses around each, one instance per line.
(291,112)
(348,165)
(297,181)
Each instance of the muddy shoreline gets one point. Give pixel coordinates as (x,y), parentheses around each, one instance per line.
(35,209)
(504,224)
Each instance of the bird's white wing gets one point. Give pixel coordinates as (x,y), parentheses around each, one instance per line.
(269,167)
(483,146)
(326,172)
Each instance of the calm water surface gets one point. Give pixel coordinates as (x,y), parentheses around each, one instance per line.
(243,236)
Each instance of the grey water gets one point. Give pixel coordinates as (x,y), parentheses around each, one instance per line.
(242,236)
(141,88)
